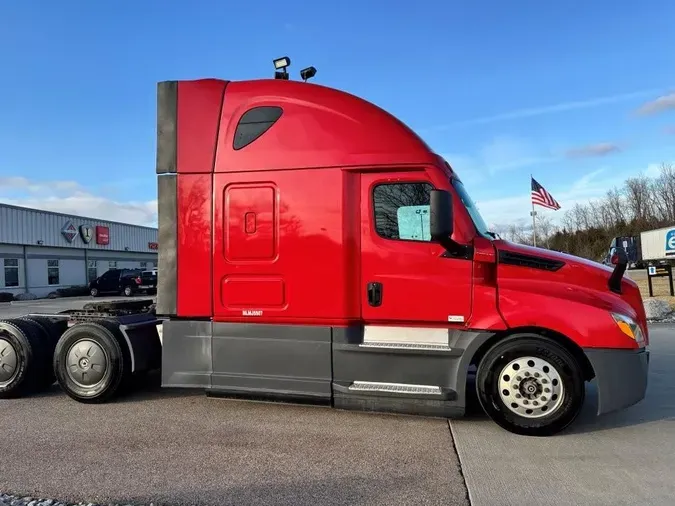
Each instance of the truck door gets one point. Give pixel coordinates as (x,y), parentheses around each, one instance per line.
(405,279)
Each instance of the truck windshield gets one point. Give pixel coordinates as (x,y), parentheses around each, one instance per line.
(478,221)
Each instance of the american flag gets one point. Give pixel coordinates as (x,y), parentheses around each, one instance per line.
(541,197)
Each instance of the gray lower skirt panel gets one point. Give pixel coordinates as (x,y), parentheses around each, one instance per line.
(318,363)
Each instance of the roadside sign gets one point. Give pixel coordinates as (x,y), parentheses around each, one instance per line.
(660,271)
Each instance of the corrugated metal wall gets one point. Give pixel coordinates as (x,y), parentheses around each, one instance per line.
(28,226)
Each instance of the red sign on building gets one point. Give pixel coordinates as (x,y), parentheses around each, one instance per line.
(153,245)
(102,235)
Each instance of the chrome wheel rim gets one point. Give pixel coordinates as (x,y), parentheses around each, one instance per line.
(9,362)
(86,363)
(531,387)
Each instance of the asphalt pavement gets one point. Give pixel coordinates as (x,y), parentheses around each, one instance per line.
(179,448)
(174,447)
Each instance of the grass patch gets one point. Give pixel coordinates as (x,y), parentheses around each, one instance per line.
(661,289)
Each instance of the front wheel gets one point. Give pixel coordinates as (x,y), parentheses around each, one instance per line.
(94,292)
(530,385)
(128,291)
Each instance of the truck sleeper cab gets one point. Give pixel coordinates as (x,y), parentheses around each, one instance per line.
(312,246)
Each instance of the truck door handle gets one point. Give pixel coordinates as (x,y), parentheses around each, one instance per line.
(374,293)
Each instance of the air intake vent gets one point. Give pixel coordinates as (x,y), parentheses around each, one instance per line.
(531,261)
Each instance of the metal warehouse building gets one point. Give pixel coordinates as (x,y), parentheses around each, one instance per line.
(41,251)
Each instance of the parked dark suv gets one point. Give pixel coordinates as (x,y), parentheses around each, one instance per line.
(149,281)
(123,282)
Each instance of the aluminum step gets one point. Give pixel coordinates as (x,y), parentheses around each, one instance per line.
(405,346)
(398,388)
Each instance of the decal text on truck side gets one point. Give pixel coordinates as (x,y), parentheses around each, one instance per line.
(670,242)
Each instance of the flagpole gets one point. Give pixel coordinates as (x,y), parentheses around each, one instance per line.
(534,226)
(534,221)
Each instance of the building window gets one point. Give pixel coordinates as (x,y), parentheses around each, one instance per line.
(92,270)
(402,211)
(112,265)
(154,264)
(53,272)
(144,265)
(11,272)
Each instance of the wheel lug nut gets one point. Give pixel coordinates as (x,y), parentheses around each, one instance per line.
(543,399)
(525,401)
(547,390)
(544,381)
(518,396)
(536,374)
(527,373)
(535,403)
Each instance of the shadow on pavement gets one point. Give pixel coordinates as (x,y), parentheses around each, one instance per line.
(142,389)
(658,404)
(326,491)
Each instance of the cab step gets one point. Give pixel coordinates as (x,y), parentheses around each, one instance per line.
(396,388)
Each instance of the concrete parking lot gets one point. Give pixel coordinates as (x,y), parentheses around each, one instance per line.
(183,448)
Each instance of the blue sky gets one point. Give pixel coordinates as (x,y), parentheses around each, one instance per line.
(564,91)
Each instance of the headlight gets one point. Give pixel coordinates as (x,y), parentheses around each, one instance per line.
(629,327)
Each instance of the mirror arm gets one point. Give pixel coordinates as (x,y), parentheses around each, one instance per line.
(455,250)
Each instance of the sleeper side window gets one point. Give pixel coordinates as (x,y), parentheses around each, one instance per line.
(254,123)
(402,210)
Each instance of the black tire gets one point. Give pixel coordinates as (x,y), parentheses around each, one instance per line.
(45,376)
(564,412)
(29,359)
(52,329)
(93,292)
(116,372)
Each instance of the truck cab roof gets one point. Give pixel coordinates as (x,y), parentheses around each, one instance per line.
(294,124)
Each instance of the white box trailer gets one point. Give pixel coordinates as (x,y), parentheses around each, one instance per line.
(658,244)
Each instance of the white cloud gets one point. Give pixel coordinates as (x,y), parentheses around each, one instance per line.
(70,197)
(591,150)
(659,105)
(548,109)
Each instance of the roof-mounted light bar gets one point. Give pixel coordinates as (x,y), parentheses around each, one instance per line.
(281,64)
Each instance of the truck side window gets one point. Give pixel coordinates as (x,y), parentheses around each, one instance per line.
(402,210)
(254,123)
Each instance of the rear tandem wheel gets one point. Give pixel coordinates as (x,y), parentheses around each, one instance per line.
(91,361)
(25,357)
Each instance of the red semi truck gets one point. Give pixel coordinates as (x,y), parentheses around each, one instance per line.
(313,247)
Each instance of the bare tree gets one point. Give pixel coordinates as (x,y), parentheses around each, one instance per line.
(545,229)
(638,197)
(615,206)
(642,203)
(663,194)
